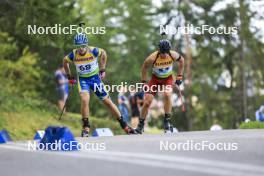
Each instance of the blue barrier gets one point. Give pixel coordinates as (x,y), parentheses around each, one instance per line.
(58,138)
(4,137)
(102,132)
(39,135)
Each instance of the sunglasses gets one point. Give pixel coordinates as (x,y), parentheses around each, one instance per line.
(81,47)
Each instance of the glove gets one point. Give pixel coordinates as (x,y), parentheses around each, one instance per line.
(102,73)
(178,80)
(71,79)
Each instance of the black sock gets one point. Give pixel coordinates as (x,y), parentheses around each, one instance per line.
(86,123)
(141,120)
(167,117)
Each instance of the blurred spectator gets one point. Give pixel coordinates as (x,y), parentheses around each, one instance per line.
(260,114)
(216,126)
(140,96)
(62,86)
(136,101)
(123,104)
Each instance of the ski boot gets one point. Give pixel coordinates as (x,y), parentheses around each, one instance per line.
(129,130)
(168,128)
(85,133)
(140,127)
(86,127)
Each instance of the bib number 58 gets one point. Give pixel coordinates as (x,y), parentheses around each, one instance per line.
(85,67)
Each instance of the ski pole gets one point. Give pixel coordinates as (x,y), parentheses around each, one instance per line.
(67,99)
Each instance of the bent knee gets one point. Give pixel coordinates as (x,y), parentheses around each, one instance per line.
(148,100)
(84,97)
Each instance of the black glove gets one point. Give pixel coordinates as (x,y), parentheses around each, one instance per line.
(178,80)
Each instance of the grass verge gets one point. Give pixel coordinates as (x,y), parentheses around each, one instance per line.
(251,125)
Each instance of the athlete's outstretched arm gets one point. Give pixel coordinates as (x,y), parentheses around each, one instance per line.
(147,63)
(66,65)
(103,60)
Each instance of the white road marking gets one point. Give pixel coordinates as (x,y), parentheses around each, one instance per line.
(213,167)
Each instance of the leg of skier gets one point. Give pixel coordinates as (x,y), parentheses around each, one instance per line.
(144,111)
(167,108)
(85,97)
(116,113)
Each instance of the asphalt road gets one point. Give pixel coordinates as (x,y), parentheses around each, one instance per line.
(229,152)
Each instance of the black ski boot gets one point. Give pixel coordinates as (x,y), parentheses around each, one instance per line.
(168,128)
(129,130)
(140,127)
(86,127)
(85,133)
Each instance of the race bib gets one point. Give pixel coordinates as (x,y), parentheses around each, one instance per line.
(87,68)
(162,71)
